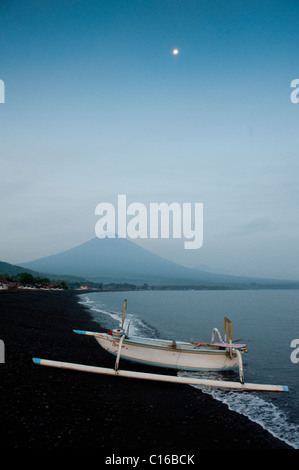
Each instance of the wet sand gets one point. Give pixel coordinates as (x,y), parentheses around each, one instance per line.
(47,408)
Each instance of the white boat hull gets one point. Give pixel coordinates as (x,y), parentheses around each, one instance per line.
(163,353)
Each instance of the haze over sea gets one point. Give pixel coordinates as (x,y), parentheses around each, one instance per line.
(266,320)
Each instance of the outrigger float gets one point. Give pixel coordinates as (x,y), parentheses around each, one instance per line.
(193,357)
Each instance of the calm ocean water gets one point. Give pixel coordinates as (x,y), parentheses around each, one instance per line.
(266,320)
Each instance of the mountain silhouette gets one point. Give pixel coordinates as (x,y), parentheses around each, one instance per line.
(117,260)
(111,259)
(120,260)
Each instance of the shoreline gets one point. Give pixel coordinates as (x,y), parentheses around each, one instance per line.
(46,408)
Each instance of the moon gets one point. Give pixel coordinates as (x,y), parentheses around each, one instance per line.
(175,51)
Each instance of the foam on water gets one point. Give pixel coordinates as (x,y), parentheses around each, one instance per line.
(253,406)
(109,318)
(265,413)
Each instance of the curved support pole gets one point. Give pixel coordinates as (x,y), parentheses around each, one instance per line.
(240,361)
(118,352)
(215,330)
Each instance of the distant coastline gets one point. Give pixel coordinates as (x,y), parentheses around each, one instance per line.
(118,287)
(13,277)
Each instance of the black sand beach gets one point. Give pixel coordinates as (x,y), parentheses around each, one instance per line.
(47,408)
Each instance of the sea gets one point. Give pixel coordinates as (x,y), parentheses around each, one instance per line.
(266,320)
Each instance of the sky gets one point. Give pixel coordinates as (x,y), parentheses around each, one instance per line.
(97,105)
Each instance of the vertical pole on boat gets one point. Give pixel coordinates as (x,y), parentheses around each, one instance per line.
(124,313)
(127,330)
(227,321)
(230,333)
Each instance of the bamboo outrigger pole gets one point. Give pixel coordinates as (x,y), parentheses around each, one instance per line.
(162,378)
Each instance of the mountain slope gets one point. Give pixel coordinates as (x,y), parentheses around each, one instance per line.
(110,258)
(12,270)
(120,260)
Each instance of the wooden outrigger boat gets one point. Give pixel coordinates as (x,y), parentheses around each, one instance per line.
(213,356)
(193,356)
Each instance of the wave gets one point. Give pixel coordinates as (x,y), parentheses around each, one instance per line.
(110,318)
(254,407)
(262,412)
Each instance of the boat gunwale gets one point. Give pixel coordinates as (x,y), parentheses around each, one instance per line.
(167,345)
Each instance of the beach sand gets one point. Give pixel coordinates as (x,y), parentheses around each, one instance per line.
(47,408)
